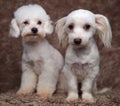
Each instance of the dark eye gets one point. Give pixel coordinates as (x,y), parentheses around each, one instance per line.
(26,22)
(39,23)
(71,26)
(86,26)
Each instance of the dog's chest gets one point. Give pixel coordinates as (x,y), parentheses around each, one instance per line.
(81,65)
(36,66)
(80,70)
(34,59)
(34,54)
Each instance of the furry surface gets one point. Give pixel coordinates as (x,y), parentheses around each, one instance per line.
(11,99)
(11,50)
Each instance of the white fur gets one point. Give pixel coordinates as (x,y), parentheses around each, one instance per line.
(30,13)
(41,63)
(82,61)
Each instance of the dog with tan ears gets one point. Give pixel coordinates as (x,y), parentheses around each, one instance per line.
(76,32)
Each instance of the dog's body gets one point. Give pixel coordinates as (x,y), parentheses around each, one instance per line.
(75,32)
(41,63)
(82,65)
(82,60)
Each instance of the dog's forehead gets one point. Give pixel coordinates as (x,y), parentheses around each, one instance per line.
(81,15)
(30,12)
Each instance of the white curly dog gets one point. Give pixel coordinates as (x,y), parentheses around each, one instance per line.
(41,63)
(76,32)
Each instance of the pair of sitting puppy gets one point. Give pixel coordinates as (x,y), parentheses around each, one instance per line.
(42,64)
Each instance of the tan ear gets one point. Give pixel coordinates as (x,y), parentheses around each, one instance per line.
(60,30)
(14,29)
(103,29)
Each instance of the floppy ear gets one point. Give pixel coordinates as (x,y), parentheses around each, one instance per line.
(103,29)
(60,30)
(48,27)
(14,29)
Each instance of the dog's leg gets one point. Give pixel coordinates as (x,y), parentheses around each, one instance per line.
(61,84)
(28,81)
(72,84)
(47,82)
(87,86)
(86,91)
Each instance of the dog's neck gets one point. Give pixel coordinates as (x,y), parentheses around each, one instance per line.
(32,44)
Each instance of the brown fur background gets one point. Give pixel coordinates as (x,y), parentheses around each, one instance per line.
(11,48)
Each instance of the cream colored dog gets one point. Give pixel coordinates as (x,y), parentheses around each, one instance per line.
(41,62)
(76,32)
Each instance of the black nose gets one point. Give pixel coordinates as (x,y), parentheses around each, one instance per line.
(34,30)
(77,41)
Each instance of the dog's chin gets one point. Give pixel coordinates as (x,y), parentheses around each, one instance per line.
(32,38)
(81,46)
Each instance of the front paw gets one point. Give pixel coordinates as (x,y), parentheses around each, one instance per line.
(72,98)
(87,98)
(45,93)
(22,92)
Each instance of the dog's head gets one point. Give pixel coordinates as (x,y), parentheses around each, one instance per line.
(79,27)
(31,22)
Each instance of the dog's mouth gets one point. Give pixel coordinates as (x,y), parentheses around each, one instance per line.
(32,38)
(78,46)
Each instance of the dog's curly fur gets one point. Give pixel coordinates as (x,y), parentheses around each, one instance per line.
(41,62)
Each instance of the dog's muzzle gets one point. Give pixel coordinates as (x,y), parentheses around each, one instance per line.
(32,37)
